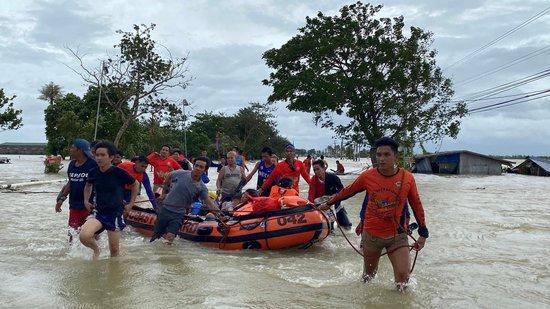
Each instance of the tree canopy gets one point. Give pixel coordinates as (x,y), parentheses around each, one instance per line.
(10,118)
(382,77)
(70,116)
(139,75)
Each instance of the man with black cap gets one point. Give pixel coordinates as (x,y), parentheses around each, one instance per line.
(82,162)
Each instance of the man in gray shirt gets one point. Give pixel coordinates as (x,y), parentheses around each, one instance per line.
(181,188)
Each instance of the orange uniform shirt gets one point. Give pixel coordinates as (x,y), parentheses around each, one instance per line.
(162,167)
(387,198)
(282,169)
(128,166)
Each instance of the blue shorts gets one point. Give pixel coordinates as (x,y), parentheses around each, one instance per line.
(110,222)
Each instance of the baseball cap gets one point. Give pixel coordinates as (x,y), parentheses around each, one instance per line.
(83,145)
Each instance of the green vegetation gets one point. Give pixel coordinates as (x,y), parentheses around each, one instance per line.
(380,75)
(10,118)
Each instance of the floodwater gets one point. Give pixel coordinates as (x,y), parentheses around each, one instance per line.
(489,247)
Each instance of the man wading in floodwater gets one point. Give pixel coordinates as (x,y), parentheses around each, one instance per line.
(181,188)
(81,164)
(388,189)
(108,183)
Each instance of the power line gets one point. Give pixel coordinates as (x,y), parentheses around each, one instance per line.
(494,98)
(511,102)
(487,93)
(505,66)
(499,38)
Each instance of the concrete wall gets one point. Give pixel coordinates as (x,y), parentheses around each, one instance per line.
(474,165)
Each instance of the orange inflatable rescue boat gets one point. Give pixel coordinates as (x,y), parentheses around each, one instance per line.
(296,223)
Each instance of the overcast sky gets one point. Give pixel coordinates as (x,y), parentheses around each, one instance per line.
(225,41)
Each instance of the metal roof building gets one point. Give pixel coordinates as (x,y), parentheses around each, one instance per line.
(533,166)
(460,162)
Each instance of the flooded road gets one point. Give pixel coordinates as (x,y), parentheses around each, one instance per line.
(489,247)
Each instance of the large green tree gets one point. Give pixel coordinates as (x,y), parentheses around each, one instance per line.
(10,118)
(382,77)
(140,75)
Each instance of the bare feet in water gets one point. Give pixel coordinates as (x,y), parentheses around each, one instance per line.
(95,256)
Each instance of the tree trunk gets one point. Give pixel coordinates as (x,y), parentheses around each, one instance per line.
(122,129)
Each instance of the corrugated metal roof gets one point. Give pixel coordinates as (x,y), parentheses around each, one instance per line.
(543,163)
(445,153)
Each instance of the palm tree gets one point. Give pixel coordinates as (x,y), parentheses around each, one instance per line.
(50,92)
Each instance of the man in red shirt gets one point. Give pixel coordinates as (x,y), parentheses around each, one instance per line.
(388,189)
(290,168)
(163,164)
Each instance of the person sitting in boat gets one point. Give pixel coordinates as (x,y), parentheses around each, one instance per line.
(339,168)
(290,168)
(326,183)
(137,169)
(283,188)
(181,188)
(230,178)
(228,207)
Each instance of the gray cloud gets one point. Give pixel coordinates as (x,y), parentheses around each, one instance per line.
(226,41)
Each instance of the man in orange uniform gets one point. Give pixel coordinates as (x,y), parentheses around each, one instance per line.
(137,169)
(290,168)
(388,189)
(163,164)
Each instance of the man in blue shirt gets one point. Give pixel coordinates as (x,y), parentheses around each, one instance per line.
(81,164)
(108,183)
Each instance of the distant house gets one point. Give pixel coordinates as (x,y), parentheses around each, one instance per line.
(533,166)
(460,162)
(23,148)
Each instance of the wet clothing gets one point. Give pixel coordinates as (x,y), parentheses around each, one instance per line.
(330,186)
(162,167)
(284,169)
(230,182)
(264,172)
(78,176)
(142,178)
(109,189)
(110,222)
(183,192)
(77,217)
(376,244)
(387,198)
(167,222)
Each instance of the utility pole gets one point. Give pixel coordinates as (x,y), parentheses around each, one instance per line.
(101,70)
(184,103)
